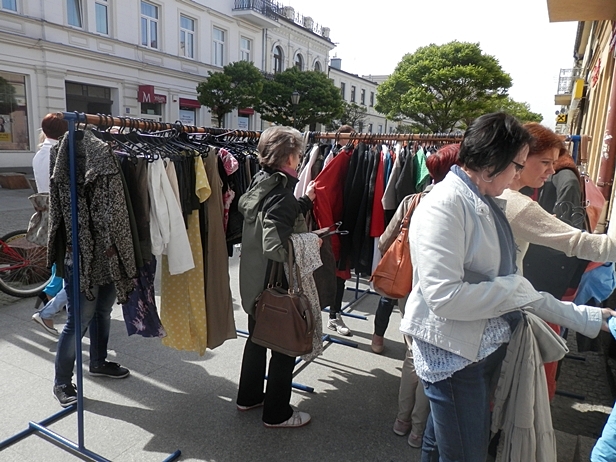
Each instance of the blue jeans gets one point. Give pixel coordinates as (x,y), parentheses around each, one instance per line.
(458,428)
(95,315)
(54,305)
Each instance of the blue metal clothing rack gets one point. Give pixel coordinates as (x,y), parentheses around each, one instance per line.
(40,427)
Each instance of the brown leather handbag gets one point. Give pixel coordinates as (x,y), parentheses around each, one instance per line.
(284,321)
(393,276)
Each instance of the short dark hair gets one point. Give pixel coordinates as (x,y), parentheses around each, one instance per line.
(493,141)
(345,129)
(54,126)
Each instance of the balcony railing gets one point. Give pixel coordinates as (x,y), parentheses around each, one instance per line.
(566,79)
(267,8)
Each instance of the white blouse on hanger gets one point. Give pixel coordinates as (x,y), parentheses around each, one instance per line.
(167,229)
(305,175)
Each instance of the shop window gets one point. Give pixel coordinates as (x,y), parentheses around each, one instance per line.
(14,130)
(152,109)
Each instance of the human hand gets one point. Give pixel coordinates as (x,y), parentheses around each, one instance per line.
(320,242)
(606,313)
(310,191)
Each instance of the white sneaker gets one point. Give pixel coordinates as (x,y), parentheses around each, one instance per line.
(338,325)
(298,419)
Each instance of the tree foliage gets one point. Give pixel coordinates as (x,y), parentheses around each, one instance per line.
(320,101)
(353,114)
(440,86)
(238,85)
(521,111)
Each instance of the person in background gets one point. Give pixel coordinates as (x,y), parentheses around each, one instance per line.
(467,296)
(53,295)
(335,322)
(413,405)
(271,214)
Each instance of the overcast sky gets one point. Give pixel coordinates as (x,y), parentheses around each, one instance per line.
(372,37)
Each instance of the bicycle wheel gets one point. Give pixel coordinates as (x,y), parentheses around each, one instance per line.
(23,266)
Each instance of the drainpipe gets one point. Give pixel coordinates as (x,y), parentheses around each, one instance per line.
(608,150)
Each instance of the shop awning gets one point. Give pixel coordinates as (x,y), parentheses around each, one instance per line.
(191,103)
(581,10)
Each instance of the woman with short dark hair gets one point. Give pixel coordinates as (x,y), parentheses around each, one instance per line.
(466,294)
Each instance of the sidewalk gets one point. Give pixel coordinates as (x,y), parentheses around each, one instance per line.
(179,400)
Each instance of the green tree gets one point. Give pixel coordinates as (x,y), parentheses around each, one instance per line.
(238,85)
(320,101)
(352,114)
(440,86)
(521,111)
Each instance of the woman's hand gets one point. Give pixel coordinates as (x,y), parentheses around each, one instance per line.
(310,191)
(607,313)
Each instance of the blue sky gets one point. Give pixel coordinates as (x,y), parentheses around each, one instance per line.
(372,38)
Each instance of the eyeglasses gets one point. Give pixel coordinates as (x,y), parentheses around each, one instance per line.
(518,167)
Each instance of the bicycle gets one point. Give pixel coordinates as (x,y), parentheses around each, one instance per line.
(23,266)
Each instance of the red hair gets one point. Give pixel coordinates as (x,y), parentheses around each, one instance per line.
(544,139)
(442,160)
(53,126)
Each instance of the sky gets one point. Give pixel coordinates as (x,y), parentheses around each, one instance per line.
(372,38)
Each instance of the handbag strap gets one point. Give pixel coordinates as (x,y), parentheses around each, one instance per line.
(409,212)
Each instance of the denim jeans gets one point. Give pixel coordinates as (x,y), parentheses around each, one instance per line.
(382,315)
(54,305)
(458,428)
(95,315)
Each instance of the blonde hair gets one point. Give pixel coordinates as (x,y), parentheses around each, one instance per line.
(277,144)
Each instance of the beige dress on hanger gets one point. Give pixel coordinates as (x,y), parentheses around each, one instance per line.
(219,301)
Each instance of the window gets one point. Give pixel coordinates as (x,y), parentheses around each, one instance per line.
(13,112)
(277,60)
(317,66)
(218,44)
(352,93)
(9,5)
(245,47)
(380,129)
(299,62)
(152,109)
(369,128)
(73,9)
(187,37)
(360,127)
(343,90)
(149,25)
(362,97)
(371,98)
(102,23)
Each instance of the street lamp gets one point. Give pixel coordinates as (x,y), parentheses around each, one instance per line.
(294,102)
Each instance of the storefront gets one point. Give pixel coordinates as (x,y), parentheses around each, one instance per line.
(14,131)
(189,109)
(244,118)
(91,99)
(152,105)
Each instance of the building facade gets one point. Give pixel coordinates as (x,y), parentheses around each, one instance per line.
(586,94)
(138,59)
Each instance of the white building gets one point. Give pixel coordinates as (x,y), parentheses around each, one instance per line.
(361,91)
(137,59)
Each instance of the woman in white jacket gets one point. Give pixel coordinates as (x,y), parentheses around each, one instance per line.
(466,294)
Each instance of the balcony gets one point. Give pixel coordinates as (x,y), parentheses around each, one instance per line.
(262,13)
(565,86)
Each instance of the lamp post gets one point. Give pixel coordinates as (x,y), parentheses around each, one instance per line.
(294,102)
